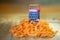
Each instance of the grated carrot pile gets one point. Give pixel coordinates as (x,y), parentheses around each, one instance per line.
(29,28)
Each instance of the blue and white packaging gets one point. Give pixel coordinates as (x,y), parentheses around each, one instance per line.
(34,15)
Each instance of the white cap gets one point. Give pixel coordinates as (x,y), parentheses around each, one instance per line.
(33,10)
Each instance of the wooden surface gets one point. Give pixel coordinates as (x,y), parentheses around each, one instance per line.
(16,8)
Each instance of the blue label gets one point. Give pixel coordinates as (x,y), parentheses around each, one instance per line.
(34,16)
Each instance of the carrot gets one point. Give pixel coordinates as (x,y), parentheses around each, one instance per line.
(30,28)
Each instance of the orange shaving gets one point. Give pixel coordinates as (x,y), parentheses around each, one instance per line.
(32,29)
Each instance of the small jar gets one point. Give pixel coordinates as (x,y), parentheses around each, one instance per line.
(34,12)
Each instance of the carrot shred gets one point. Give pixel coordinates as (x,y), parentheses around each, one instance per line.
(32,29)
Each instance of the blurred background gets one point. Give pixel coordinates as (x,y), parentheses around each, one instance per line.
(49,8)
(12,11)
